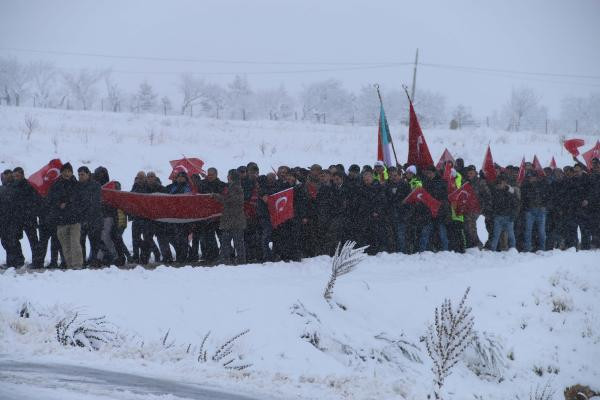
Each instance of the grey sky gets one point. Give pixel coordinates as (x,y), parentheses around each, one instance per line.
(553,36)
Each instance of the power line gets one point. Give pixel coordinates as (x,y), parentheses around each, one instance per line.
(188,60)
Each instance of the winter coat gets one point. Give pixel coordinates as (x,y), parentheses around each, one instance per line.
(101,176)
(178,188)
(91,203)
(504,203)
(216,186)
(7,205)
(438,188)
(27,203)
(67,192)
(395,193)
(535,195)
(233,217)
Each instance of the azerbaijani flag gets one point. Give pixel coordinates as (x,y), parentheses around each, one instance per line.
(384,140)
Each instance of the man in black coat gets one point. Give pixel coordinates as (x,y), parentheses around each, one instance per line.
(91,223)
(579,193)
(65,211)
(437,188)
(396,190)
(27,208)
(505,206)
(9,228)
(535,199)
(370,201)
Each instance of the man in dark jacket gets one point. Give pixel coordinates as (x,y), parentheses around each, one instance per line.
(535,196)
(233,220)
(108,252)
(396,191)
(178,233)
(437,188)
(64,200)
(9,228)
(91,223)
(505,205)
(27,208)
(371,210)
(578,215)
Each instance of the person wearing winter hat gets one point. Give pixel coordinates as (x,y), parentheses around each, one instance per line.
(64,200)
(411,177)
(380,172)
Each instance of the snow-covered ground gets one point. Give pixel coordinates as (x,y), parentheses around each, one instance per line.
(542,310)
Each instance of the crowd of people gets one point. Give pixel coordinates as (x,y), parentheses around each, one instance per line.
(556,208)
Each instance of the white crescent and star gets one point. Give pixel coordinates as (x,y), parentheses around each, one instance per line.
(48,176)
(279,202)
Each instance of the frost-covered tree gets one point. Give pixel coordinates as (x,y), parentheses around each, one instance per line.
(166,105)
(43,83)
(82,86)
(214,100)
(523,110)
(192,90)
(461,116)
(274,103)
(14,81)
(327,101)
(583,112)
(240,97)
(114,94)
(430,108)
(146,98)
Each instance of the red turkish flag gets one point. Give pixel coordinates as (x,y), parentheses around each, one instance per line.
(446,156)
(465,200)
(281,206)
(488,166)
(418,152)
(572,146)
(538,167)
(420,195)
(521,175)
(553,163)
(592,153)
(43,179)
(190,166)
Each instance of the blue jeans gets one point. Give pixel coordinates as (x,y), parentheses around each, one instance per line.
(503,224)
(401,237)
(426,235)
(535,216)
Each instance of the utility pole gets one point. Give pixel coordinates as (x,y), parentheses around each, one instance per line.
(414,83)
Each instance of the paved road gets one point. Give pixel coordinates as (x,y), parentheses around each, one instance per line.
(29,381)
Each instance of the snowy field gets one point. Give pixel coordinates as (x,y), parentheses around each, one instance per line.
(541,311)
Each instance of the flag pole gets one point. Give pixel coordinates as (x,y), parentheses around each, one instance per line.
(391,140)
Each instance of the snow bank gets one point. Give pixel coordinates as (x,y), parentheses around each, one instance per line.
(542,309)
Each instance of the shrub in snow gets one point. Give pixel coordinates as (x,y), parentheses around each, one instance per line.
(90,333)
(343,262)
(561,303)
(447,338)
(542,393)
(224,353)
(485,356)
(409,350)
(580,392)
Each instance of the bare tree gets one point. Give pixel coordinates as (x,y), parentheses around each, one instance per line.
(240,97)
(214,100)
(327,101)
(82,86)
(146,98)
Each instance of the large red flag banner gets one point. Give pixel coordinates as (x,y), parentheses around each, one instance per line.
(488,166)
(420,195)
(592,153)
(281,206)
(43,179)
(465,200)
(177,208)
(418,151)
(572,146)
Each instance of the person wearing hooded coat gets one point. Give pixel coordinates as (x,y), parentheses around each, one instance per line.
(91,224)
(178,233)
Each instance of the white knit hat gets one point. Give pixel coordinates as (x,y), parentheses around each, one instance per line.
(412,169)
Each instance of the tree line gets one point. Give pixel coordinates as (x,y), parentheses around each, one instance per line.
(41,84)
